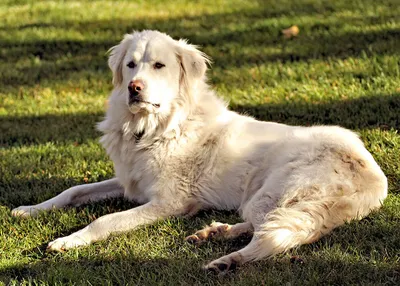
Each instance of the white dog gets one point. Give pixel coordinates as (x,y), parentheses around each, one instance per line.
(177,149)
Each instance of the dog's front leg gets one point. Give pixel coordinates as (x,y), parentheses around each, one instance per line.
(75,196)
(124,221)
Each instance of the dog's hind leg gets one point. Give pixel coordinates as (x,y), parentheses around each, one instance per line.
(217,229)
(283,229)
(289,226)
(75,196)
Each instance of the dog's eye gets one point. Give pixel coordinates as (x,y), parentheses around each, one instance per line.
(158,65)
(131,65)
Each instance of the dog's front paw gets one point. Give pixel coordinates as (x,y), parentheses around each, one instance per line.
(63,243)
(25,211)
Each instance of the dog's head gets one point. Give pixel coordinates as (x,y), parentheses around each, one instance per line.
(152,70)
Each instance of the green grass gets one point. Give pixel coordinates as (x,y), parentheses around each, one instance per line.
(342,69)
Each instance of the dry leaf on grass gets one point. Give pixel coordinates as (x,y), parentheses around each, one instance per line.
(291,32)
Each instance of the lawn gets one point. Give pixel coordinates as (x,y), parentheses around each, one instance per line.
(342,69)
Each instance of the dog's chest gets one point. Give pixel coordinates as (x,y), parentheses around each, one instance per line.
(134,168)
(200,168)
(140,173)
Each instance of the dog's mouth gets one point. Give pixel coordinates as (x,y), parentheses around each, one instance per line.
(139,100)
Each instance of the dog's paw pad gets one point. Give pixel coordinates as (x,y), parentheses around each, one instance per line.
(221,267)
(212,233)
(216,229)
(193,239)
(225,263)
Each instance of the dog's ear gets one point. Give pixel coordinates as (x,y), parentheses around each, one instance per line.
(117,54)
(193,62)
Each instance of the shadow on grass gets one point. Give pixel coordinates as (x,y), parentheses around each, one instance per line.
(356,253)
(346,263)
(367,112)
(27,130)
(378,111)
(243,46)
(31,191)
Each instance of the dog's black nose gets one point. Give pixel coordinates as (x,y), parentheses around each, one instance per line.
(135,86)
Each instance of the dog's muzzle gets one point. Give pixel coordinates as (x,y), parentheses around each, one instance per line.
(135,87)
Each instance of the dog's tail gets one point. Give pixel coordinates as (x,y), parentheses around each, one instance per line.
(288,227)
(305,222)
